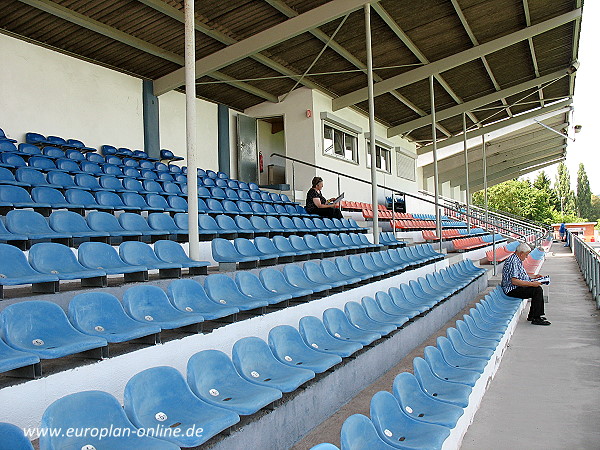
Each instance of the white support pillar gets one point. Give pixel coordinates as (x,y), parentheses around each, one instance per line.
(372,124)
(190,128)
(485,186)
(468,191)
(436,180)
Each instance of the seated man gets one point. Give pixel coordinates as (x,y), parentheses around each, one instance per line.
(516,283)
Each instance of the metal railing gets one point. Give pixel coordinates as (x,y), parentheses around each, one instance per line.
(589,264)
(523,232)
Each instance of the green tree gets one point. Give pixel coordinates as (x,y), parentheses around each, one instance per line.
(584,194)
(518,197)
(564,194)
(543,183)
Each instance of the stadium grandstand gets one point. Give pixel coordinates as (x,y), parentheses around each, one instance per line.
(163,285)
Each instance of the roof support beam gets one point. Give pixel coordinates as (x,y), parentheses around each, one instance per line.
(475,103)
(516,172)
(344,53)
(497,126)
(261,41)
(532,48)
(176,14)
(454,171)
(105,30)
(502,163)
(420,56)
(484,60)
(455,60)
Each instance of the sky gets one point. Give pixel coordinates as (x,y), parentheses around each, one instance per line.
(585,103)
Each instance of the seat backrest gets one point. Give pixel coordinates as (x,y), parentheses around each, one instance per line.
(153,186)
(359,429)
(30,176)
(102,221)
(50,257)
(80,197)
(53,152)
(47,195)
(170,251)
(87,180)
(98,255)
(13,263)
(162,221)
(68,221)
(29,149)
(138,254)
(6,175)
(133,222)
(176,202)
(109,199)
(157,201)
(134,199)
(14,194)
(13,160)
(13,438)
(21,221)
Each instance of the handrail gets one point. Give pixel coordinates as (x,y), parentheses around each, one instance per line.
(397,191)
(589,263)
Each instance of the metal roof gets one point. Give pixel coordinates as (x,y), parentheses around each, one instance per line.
(489,57)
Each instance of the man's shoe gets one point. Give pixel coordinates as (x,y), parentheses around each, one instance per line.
(541,317)
(539,321)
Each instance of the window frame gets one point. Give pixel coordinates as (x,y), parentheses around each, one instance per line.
(346,132)
(386,148)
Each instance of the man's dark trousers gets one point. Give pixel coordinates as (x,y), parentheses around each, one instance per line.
(536,294)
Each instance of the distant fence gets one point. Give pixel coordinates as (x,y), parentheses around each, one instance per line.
(589,264)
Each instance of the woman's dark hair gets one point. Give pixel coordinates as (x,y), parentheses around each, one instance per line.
(315,181)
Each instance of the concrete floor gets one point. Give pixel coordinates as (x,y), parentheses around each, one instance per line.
(546,393)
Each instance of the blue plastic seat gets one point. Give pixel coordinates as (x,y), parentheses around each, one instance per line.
(53,151)
(260,224)
(11,359)
(246,226)
(172,252)
(73,224)
(295,276)
(75,154)
(95,158)
(189,295)
(449,354)
(248,248)
(419,406)
(244,208)
(16,270)
(287,345)
(223,289)
(255,362)
(150,304)
(159,203)
(141,254)
(227,226)
(160,399)
(102,315)
(112,171)
(59,260)
(464,348)
(42,328)
(8,146)
(386,303)
(313,243)
(169,187)
(165,223)
(32,224)
(375,312)
(8,236)
(153,186)
(177,204)
(339,326)
(274,280)
(7,177)
(52,197)
(212,377)
(91,168)
(359,318)
(266,246)
(4,137)
(112,200)
(397,428)
(250,285)
(359,433)
(257,209)
(18,197)
(62,179)
(112,183)
(12,160)
(135,222)
(283,245)
(13,438)
(88,182)
(134,185)
(315,273)
(102,221)
(73,411)
(101,256)
(446,372)
(332,272)
(223,251)
(315,335)
(78,197)
(439,389)
(32,177)
(346,269)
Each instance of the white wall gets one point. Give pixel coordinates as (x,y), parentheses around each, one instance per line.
(50,93)
(172,129)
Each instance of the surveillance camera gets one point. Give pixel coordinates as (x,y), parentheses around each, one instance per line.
(573,67)
(577,128)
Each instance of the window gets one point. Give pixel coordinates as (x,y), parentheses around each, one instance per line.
(339,143)
(383,158)
(405,165)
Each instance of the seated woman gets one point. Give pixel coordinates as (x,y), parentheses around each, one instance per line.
(317,204)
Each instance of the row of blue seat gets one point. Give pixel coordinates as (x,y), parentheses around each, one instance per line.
(71,228)
(220,297)
(48,263)
(423,408)
(264,251)
(220,389)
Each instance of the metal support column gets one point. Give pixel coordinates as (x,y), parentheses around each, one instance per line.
(468,190)
(438,219)
(372,124)
(485,186)
(190,128)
